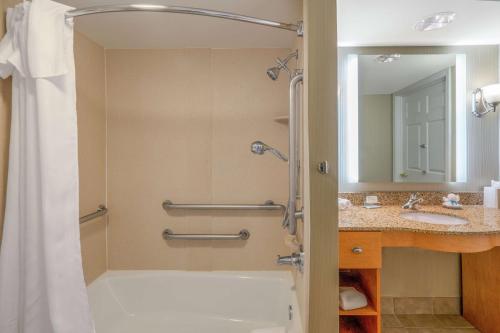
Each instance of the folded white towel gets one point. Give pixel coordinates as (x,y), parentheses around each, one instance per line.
(344,204)
(351,299)
(279,329)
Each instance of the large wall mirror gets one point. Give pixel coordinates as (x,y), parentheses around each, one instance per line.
(405,118)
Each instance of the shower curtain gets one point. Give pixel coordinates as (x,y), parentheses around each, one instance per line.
(42,289)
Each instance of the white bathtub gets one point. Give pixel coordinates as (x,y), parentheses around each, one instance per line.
(193,302)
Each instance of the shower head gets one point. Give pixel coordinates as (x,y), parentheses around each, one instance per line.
(259,148)
(274,72)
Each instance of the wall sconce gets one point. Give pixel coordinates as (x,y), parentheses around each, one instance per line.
(485,100)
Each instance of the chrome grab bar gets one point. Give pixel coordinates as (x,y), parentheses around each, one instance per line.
(242,235)
(298,28)
(268,205)
(101,210)
(290,221)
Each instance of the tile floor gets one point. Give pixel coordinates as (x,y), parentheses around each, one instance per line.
(423,315)
(426,323)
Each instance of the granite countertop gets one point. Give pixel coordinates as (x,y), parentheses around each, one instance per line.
(482,221)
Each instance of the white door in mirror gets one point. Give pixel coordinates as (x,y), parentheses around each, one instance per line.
(423,156)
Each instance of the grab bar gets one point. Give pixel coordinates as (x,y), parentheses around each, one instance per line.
(242,235)
(290,221)
(101,210)
(268,205)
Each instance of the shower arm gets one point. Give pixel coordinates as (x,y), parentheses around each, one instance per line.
(298,27)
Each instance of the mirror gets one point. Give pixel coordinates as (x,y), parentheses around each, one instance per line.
(402,117)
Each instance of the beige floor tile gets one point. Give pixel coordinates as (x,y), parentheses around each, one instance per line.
(447,305)
(420,321)
(421,330)
(442,330)
(413,305)
(394,330)
(387,304)
(390,321)
(453,321)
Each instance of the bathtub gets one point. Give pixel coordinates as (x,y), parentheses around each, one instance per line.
(193,302)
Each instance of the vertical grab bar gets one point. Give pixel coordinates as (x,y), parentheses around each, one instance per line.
(292,213)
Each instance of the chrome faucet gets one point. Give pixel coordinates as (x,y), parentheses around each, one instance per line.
(295,259)
(412,202)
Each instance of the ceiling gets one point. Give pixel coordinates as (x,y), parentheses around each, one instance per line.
(167,30)
(390,22)
(387,78)
(360,22)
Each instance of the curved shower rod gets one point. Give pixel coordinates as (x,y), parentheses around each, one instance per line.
(298,28)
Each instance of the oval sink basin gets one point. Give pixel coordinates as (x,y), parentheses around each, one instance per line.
(433,218)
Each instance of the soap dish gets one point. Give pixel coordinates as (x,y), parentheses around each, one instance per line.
(447,205)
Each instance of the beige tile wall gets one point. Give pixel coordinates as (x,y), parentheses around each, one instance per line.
(420,273)
(91,110)
(180,124)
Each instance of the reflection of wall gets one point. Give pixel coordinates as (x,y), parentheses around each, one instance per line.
(375,138)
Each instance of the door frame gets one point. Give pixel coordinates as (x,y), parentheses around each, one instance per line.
(398,112)
(321,190)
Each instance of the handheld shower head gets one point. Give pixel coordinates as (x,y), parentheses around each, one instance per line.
(259,148)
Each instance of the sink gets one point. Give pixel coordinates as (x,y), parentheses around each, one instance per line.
(433,218)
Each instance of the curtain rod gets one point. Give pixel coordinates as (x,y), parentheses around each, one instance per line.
(298,28)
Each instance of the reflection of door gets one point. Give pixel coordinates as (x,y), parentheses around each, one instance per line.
(421,131)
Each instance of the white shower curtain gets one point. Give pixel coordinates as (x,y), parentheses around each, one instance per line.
(42,289)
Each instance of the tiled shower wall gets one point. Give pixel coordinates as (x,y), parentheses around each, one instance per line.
(91,110)
(180,124)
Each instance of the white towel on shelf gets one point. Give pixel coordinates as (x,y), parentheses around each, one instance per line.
(279,329)
(350,299)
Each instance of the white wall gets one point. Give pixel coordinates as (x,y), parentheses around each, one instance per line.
(375,138)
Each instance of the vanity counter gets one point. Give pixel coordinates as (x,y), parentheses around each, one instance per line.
(482,221)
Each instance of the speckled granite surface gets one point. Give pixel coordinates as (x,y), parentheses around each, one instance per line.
(481,220)
(398,198)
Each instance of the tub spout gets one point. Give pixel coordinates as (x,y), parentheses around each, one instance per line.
(295,259)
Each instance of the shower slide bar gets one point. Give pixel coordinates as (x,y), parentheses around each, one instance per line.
(298,28)
(242,235)
(101,211)
(268,205)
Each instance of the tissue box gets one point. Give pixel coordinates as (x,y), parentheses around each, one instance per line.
(491,197)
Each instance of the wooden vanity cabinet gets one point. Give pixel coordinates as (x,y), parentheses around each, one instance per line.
(480,289)
(360,256)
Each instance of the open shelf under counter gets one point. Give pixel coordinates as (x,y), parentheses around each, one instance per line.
(366,311)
